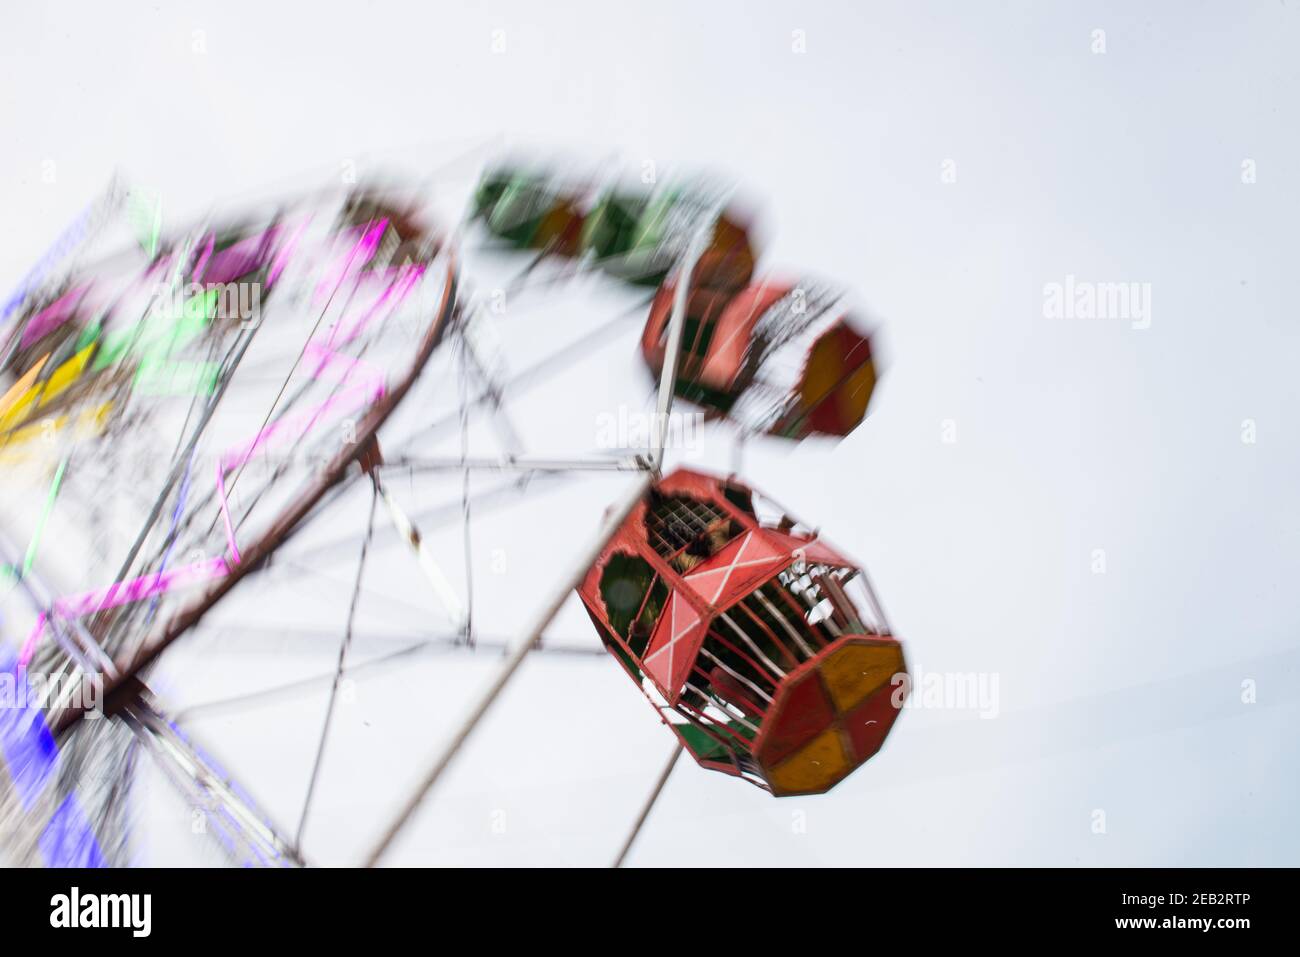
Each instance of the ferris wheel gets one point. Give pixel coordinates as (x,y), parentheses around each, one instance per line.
(296,416)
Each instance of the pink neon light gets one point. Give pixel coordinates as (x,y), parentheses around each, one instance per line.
(286,251)
(146,586)
(395,291)
(225,514)
(367,245)
(122,593)
(370,387)
(293,425)
(327,358)
(29,646)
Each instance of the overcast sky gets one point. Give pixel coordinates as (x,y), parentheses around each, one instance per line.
(1099,514)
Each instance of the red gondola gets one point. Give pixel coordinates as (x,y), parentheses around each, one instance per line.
(777,357)
(763,647)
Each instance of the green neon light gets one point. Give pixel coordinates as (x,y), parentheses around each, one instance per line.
(35,543)
(8,573)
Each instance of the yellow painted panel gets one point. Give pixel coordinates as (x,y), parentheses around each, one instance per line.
(64,376)
(20,388)
(67,374)
(856,670)
(22,385)
(855,393)
(813,768)
(14,447)
(18,410)
(826,380)
(823,370)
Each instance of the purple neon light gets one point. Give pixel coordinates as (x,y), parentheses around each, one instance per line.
(29,753)
(26,743)
(238,259)
(68,238)
(68,839)
(53,315)
(201,264)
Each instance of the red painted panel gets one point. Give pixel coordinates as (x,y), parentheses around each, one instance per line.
(800,712)
(870,721)
(745,562)
(673,646)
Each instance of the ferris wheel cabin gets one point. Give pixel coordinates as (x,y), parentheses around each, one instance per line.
(761,646)
(777,357)
(634,236)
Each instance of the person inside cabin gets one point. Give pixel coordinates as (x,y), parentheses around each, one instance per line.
(638,636)
(702,547)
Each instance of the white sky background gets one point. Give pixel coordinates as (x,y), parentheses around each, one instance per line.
(1118,691)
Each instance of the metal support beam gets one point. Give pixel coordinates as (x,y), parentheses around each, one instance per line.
(519,463)
(193,772)
(673,348)
(649,805)
(613,519)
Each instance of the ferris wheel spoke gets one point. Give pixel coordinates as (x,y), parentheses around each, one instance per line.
(232,363)
(403,283)
(266,696)
(208,786)
(517,463)
(281,470)
(69,632)
(289,457)
(512,443)
(613,519)
(472,364)
(503,495)
(676,325)
(338,672)
(179,462)
(534,375)
(424,556)
(331,582)
(649,805)
(261,430)
(441,644)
